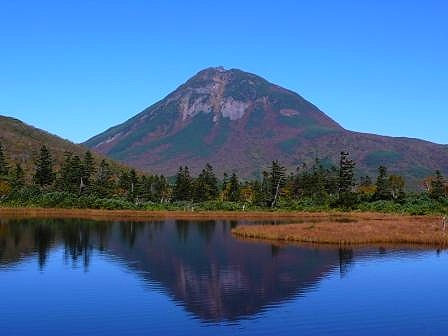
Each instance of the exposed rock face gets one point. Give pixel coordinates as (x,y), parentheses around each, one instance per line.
(238,121)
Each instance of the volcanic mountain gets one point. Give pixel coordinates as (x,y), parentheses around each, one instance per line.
(238,121)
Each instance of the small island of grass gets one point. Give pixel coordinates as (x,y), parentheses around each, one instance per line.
(354,228)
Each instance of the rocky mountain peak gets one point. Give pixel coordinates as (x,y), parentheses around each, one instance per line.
(238,121)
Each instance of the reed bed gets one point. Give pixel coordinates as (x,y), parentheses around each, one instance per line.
(142,215)
(351,229)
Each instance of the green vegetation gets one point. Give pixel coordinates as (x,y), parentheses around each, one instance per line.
(382,158)
(80,182)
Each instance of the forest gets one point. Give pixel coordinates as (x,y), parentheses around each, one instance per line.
(84,182)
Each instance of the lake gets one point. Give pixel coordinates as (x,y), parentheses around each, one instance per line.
(178,277)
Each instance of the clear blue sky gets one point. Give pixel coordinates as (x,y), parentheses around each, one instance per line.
(76,68)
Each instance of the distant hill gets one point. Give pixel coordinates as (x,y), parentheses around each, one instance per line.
(22,142)
(239,121)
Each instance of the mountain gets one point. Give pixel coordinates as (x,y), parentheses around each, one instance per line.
(239,121)
(22,142)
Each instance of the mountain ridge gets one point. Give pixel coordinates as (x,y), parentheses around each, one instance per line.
(22,142)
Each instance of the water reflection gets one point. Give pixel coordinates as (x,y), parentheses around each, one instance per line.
(198,264)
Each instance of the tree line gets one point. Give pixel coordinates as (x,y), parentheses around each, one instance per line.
(319,185)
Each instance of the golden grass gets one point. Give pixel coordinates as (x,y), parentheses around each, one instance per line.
(141,215)
(354,228)
(315,228)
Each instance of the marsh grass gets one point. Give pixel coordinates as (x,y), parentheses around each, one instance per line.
(358,228)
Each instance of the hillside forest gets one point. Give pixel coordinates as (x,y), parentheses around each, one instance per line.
(82,182)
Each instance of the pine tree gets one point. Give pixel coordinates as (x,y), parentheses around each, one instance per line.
(346,167)
(104,184)
(88,168)
(44,175)
(383,191)
(437,186)
(71,174)
(233,189)
(206,185)
(18,177)
(76,175)
(183,185)
(347,197)
(3,164)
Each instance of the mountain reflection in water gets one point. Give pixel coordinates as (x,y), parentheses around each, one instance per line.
(197,263)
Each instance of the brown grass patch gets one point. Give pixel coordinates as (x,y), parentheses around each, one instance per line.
(355,228)
(141,215)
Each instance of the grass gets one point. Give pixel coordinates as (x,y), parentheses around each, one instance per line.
(352,229)
(143,215)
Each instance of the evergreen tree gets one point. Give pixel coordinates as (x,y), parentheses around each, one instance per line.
(44,175)
(265,191)
(277,180)
(332,181)
(346,167)
(206,185)
(104,184)
(3,164)
(183,185)
(18,177)
(63,178)
(71,174)
(88,168)
(129,183)
(347,197)
(437,186)
(124,181)
(383,191)
(233,189)
(225,182)
(76,175)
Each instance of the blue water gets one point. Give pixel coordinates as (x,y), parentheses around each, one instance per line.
(76,277)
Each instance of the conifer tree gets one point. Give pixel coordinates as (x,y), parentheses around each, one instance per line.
(44,175)
(183,185)
(18,177)
(233,189)
(346,167)
(3,164)
(437,186)
(71,174)
(383,191)
(347,197)
(104,184)
(88,168)
(206,185)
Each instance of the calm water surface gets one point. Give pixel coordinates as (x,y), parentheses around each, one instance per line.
(77,277)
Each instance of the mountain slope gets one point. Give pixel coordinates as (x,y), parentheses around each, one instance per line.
(22,142)
(239,121)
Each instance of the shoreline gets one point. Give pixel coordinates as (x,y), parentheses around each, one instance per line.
(336,228)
